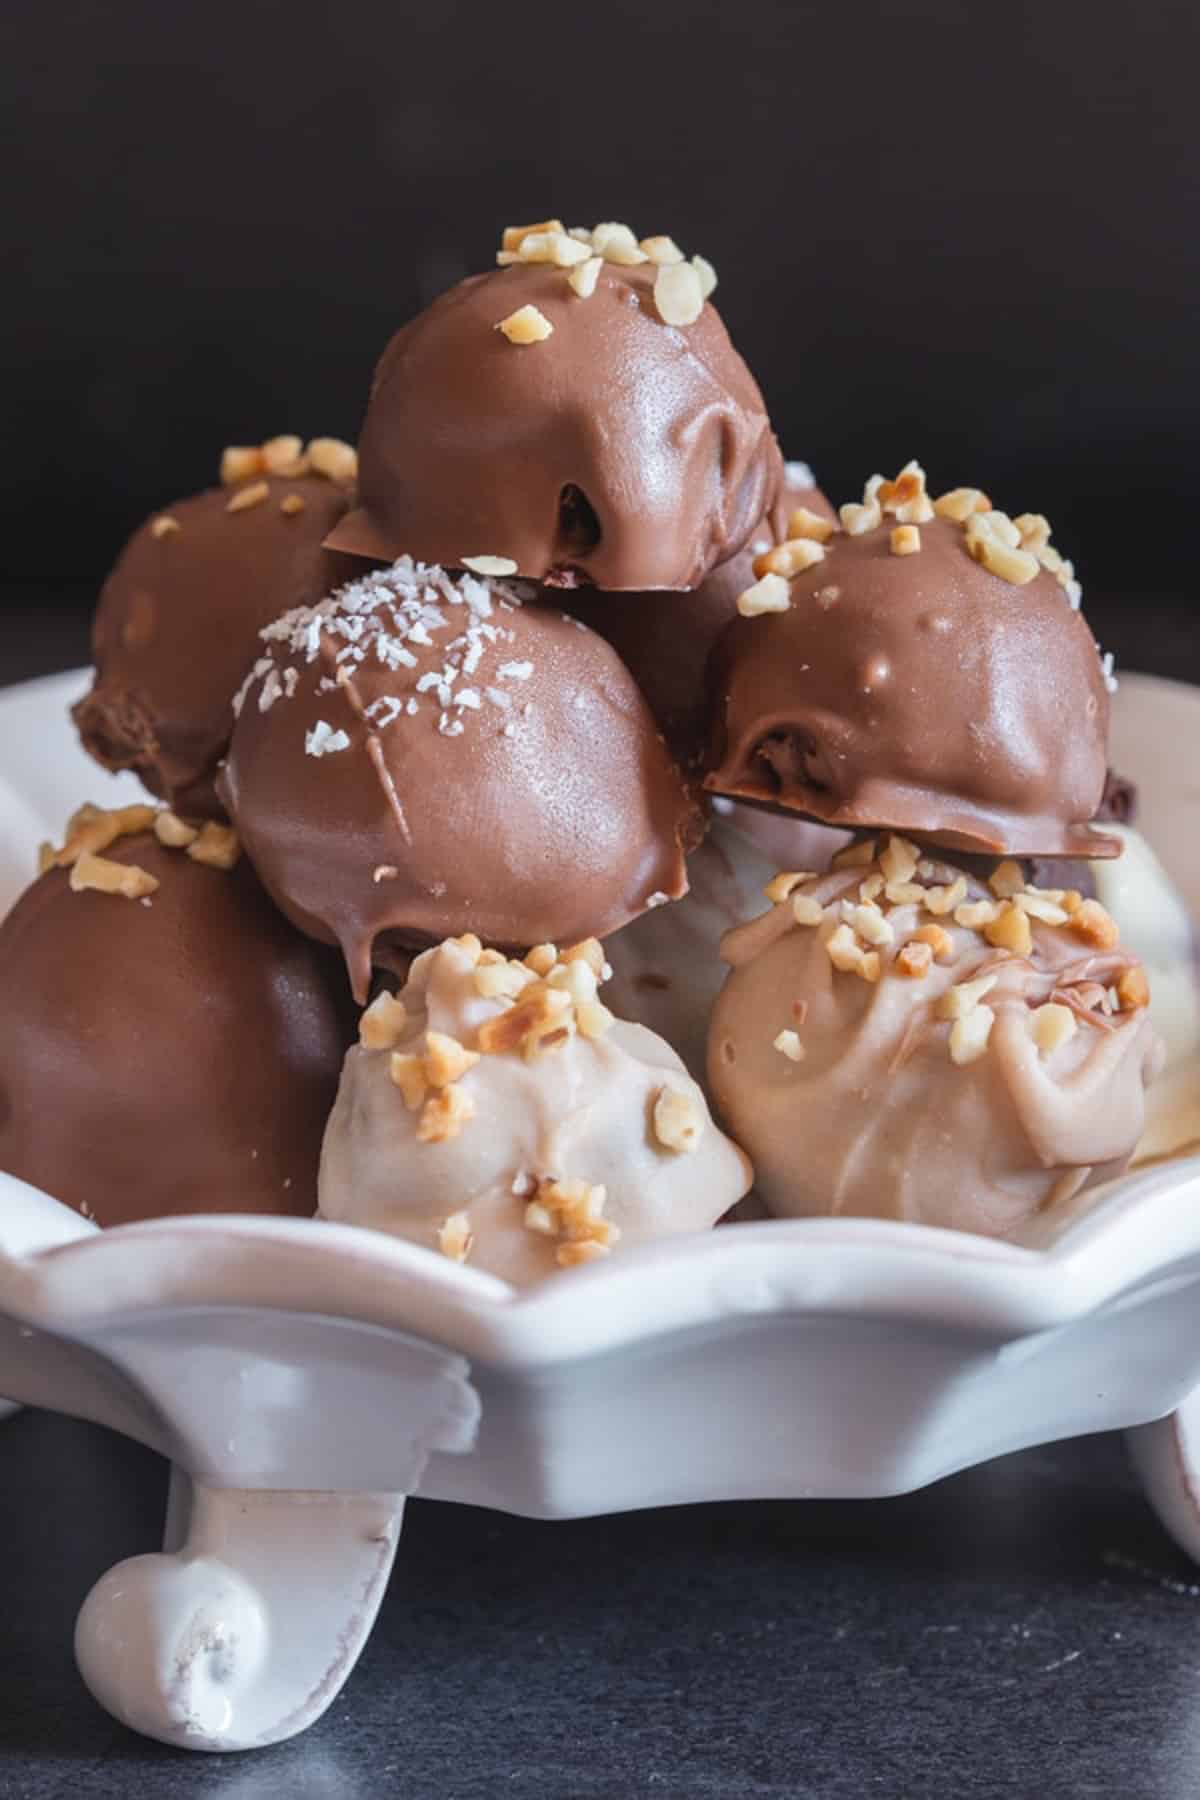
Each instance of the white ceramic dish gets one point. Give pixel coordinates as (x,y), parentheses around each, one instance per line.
(303,1379)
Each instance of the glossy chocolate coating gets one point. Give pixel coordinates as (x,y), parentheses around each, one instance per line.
(920,692)
(666,638)
(177,626)
(618,451)
(551,813)
(175,1057)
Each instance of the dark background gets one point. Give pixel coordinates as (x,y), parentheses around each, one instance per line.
(962,232)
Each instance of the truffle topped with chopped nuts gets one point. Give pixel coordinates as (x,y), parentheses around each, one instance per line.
(924,667)
(578,417)
(423,754)
(177,622)
(665,638)
(900,1040)
(498,1112)
(171,1044)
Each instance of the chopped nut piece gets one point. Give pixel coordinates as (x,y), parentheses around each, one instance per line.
(443,1115)
(239,462)
(246,497)
(805,524)
(593,1018)
(790,558)
(914,959)
(554,247)
(788,1042)
(871,888)
(855,856)
(905,893)
(584,276)
(898,859)
(903,497)
(942,900)
(541,959)
(905,540)
(662,250)
(965,996)
(538,1218)
(333,458)
(455,1238)
(678,1121)
(408,1073)
(526,326)
(707,274)
(1091,922)
(960,503)
(1041,906)
(770,595)
(1034,529)
(99,874)
(1071,901)
(576,978)
(216,846)
(172,831)
(1052,1025)
(806,910)
(617,244)
(975,914)
(868,922)
(986,542)
(291,504)
(847,955)
(384,872)
(1007,879)
(678,294)
(501,980)
(1010,931)
(513,234)
(969,1035)
(1133,990)
(857,520)
(779,886)
(380,1027)
(995,525)
(540,1010)
(283,455)
(589,950)
(490,565)
(568,1256)
(938,939)
(446,1060)
(164,526)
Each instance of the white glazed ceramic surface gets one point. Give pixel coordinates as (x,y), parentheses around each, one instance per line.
(303,1378)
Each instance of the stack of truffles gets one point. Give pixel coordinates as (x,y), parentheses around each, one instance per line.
(437,732)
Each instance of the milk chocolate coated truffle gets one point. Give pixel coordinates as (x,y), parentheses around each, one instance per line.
(421,756)
(665,638)
(898,1041)
(505,1117)
(178,620)
(617,450)
(921,690)
(171,1057)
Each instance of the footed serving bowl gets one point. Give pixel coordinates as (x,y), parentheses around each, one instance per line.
(304,1378)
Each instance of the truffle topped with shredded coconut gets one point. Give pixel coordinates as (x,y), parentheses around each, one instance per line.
(422,754)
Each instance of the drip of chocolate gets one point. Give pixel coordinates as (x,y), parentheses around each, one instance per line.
(618,451)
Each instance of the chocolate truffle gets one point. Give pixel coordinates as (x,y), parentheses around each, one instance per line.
(422,755)
(665,637)
(170,1048)
(580,437)
(499,1113)
(897,1040)
(177,623)
(935,676)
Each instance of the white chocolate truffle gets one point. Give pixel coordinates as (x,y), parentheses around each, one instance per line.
(897,1040)
(667,969)
(498,1112)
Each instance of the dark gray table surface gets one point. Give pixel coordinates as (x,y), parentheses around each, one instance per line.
(1025,1628)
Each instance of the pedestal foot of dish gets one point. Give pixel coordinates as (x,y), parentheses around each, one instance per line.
(244,1628)
(1166,1454)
